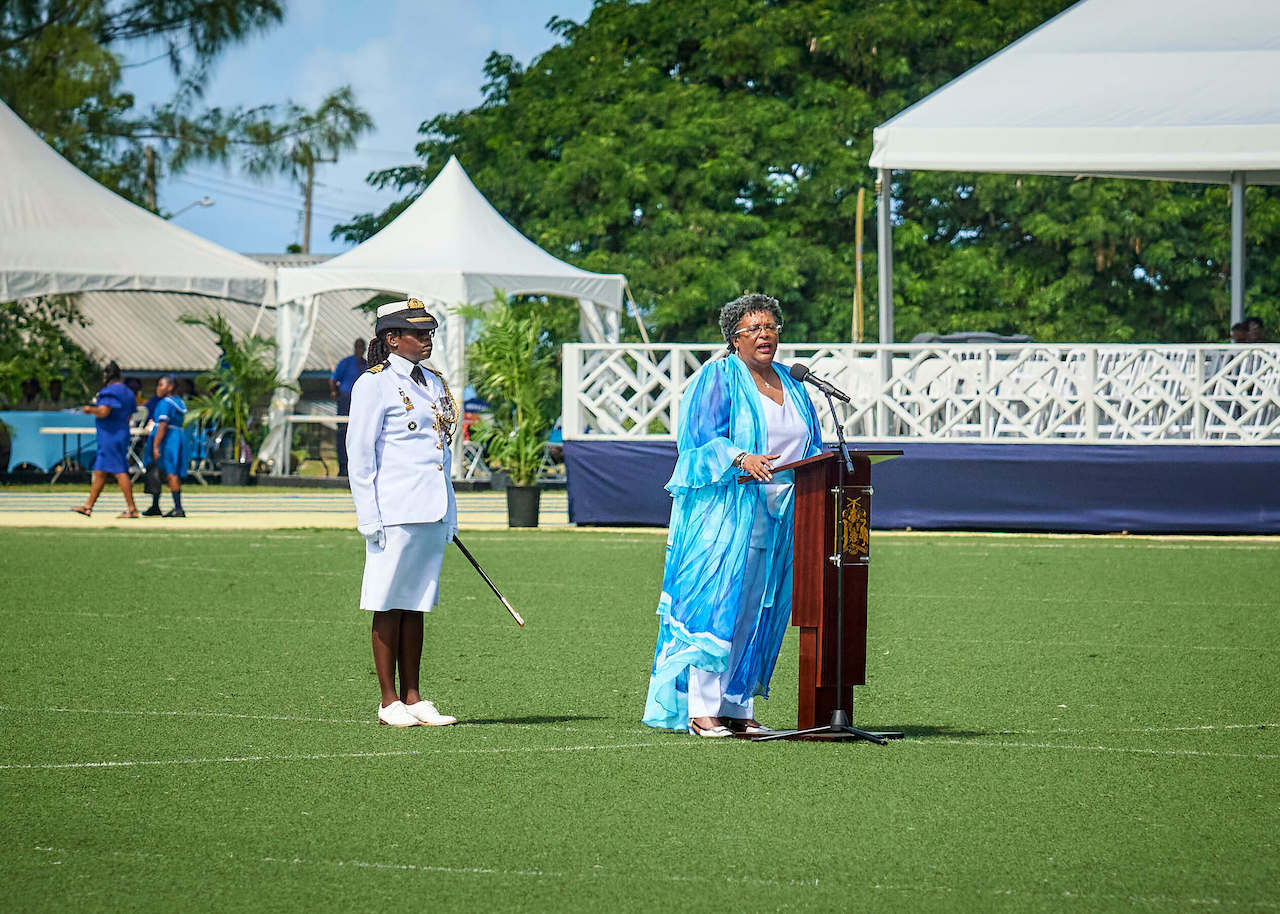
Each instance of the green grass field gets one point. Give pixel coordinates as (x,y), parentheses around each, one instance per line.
(1093,724)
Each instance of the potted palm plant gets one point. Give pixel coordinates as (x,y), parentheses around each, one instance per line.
(514,367)
(244,378)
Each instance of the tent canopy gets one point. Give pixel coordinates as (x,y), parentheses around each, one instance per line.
(452,246)
(142,333)
(1170,89)
(61,231)
(449,247)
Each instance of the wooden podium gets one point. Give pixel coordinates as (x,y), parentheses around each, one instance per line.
(832,552)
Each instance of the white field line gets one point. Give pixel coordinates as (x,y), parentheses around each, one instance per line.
(880,640)
(1065,747)
(1214,604)
(220,620)
(600,872)
(511,750)
(1112,645)
(685,744)
(17,709)
(12,709)
(956,539)
(368,721)
(1197,728)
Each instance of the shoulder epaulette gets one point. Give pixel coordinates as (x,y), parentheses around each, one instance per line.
(374,369)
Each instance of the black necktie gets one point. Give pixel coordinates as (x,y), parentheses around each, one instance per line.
(418,376)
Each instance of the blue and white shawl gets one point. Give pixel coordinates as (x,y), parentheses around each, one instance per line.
(711,521)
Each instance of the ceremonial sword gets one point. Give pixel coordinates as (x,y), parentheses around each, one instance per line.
(476,565)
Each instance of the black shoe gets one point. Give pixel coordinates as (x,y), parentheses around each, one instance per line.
(153,511)
(176,512)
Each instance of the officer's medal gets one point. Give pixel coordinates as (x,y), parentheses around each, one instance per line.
(446,410)
(408,407)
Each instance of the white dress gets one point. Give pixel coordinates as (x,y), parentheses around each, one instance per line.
(405,573)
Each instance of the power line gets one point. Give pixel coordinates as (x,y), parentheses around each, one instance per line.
(362,200)
(253,197)
(262,201)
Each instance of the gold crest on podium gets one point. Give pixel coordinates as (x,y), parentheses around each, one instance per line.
(855,527)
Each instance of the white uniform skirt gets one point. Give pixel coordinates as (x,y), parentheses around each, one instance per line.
(405,573)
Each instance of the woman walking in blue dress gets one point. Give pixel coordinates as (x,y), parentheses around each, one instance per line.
(112,408)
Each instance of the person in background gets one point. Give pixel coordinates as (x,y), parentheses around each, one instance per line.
(111,408)
(154,400)
(167,445)
(341,381)
(53,401)
(1240,332)
(30,394)
(1255,331)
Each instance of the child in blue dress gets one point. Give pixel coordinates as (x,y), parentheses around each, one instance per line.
(167,445)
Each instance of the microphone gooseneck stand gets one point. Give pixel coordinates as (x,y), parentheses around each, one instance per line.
(841,726)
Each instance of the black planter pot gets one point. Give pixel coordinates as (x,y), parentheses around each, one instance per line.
(234,473)
(522,506)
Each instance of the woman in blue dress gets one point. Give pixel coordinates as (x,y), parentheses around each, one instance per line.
(726,587)
(111,408)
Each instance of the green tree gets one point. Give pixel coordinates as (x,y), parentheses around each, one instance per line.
(514,365)
(34,345)
(704,147)
(60,68)
(239,384)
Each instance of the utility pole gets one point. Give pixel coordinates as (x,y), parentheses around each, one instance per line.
(149,156)
(306,204)
(308,191)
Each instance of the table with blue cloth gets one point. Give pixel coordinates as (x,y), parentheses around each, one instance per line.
(27,445)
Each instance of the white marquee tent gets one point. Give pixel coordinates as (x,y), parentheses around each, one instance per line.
(62,232)
(449,247)
(1177,90)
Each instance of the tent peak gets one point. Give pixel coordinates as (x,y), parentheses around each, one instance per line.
(61,232)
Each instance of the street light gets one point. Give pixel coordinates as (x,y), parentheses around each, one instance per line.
(203,201)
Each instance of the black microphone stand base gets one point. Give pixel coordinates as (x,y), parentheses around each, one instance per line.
(839,729)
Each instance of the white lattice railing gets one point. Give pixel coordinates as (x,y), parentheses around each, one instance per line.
(1059,393)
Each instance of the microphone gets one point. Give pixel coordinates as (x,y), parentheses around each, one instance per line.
(802,373)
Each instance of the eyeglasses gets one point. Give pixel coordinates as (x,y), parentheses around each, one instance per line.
(760,330)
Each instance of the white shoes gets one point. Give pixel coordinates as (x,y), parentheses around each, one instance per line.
(397,714)
(425,713)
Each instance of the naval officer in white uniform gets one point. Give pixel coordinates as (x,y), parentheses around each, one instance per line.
(401,424)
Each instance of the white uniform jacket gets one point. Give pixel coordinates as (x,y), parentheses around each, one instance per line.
(397,464)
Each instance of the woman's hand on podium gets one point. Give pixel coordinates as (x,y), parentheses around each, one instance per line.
(758,466)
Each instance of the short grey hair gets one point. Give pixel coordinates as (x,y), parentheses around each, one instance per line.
(733,312)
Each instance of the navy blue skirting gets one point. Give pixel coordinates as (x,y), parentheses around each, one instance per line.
(957,486)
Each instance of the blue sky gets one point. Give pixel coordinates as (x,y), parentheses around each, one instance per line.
(407,61)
